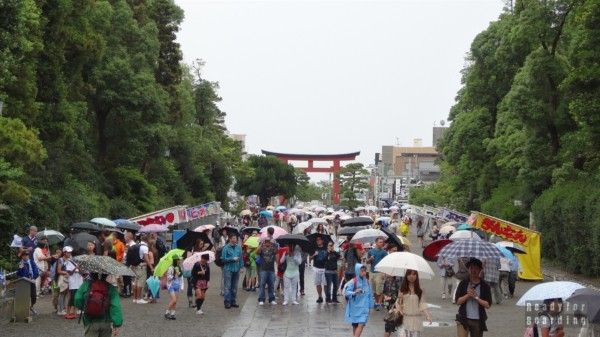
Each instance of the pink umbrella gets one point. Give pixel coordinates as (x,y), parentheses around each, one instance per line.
(277,233)
(204,228)
(189,263)
(154,228)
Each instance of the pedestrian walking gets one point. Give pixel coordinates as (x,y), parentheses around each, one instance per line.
(63,281)
(473,296)
(200,280)
(375,255)
(360,300)
(53,276)
(29,270)
(421,229)
(352,256)
(301,269)
(446,268)
(319,259)
(127,280)
(138,258)
(75,281)
(232,259)
(291,274)
(491,275)
(198,247)
(267,253)
(174,278)
(412,305)
(391,288)
(331,274)
(251,270)
(41,256)
(101,307)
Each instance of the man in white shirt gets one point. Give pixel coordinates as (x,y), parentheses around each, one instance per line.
(140,272)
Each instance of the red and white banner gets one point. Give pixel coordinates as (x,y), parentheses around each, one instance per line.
(166,217)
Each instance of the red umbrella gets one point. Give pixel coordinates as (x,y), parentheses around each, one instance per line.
(430,253)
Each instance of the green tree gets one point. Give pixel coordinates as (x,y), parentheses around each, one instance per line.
(354,178)
(266,176)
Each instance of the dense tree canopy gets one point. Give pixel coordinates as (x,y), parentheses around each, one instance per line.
(100,118)
(354,178)
(526,127)
(266,176)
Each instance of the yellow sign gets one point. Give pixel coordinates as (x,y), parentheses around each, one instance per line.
(530,263)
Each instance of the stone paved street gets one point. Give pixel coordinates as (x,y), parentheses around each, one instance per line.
(250,320)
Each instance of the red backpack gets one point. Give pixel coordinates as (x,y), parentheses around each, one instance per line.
(98,301)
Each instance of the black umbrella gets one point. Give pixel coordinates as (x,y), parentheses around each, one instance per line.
(589,300)
(127,225)
(393,239)
(296,239)
(86,226)
(350,231)
(231,230)
(188,240)
(249,230)
(357,221)
(313,238)
(79,242)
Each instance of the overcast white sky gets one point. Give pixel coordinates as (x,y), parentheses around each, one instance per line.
(335,76)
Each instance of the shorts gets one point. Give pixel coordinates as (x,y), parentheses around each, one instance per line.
(377,281)
(140,275)
(354,325)
(175,287)
(320,279)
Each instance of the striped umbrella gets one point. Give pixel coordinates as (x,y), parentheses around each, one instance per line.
(471,248)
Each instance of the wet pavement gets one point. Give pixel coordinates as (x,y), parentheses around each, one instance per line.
(251,320)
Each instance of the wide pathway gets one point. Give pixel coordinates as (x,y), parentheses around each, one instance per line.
(250,320)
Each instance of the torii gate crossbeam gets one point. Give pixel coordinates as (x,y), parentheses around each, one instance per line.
(311,158)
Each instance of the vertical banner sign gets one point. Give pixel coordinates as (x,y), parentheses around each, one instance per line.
(530,263)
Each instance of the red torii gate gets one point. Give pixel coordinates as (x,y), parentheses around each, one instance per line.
(311,158)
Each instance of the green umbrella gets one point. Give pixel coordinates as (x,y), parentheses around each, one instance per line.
(166,261)
(252,242)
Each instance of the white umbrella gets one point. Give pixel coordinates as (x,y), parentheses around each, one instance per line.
(301,227)
(52,236)
(405,207)
(513,247)
(464,234)
(368,235)
(17,242)
(548,290)
(396,264)
(451,223)
(318,221)
(154,228)
(104,222)
(394,208)
(358,209)
(372,208)
(245,212)
(345,217)
(203,228)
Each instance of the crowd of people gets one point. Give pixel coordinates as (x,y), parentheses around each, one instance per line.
(343,272)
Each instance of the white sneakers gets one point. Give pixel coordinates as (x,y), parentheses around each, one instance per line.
(199,312)
(295,303)
(261,303)
(140,301)
(61,313)
(284,303)
(273,302)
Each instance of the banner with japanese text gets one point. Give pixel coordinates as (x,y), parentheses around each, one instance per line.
(167,217)
(530,263)
(203,210)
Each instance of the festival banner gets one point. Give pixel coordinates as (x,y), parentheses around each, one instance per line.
(530,263)
(167,217)
(452,215)
(201,211)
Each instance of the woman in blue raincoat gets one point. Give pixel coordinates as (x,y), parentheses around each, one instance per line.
(360,300)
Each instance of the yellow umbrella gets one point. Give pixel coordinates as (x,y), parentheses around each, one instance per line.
(252,242)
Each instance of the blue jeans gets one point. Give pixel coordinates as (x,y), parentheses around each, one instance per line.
(331,287)
(231,282)
(268,278)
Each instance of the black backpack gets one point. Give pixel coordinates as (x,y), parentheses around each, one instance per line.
(133,256)
(218,260)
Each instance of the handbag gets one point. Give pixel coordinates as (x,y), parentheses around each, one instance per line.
(394,315)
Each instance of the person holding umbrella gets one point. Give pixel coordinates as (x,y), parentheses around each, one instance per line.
(473,296)
(412,305)
(200,279)
(107,323)
(291,274)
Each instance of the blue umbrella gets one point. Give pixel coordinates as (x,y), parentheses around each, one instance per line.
(265,214)
(464,226)
(507,253)
(153,284)
(281,208)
